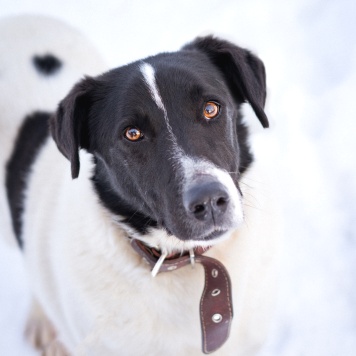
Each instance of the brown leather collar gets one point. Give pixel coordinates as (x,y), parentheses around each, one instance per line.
(216,301)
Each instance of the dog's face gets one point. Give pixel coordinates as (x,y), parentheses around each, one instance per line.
(168,141)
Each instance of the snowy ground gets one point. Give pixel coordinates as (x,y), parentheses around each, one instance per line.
(310,55)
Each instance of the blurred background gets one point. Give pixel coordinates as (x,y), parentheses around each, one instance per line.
(309,50)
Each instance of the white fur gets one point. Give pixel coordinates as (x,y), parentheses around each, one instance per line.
(98,292)
(23,90)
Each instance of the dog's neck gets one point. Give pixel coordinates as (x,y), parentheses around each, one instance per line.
(216,301)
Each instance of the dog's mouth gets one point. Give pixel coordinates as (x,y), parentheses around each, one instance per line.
(160,240)
(213,235)
(200,237)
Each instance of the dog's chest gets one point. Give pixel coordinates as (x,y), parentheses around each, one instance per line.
(153,311)
(102,294)
(128,304)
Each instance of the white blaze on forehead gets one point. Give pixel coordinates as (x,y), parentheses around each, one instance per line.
(149,74)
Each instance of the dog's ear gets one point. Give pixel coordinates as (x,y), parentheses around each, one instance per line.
(69,125)
(243,71)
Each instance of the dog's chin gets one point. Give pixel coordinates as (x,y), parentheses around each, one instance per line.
(160,239)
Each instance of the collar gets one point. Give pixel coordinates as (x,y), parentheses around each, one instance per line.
(216,301)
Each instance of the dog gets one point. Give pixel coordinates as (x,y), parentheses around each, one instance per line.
(144,167)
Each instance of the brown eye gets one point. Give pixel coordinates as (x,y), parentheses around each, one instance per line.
(211,110)
(133,134)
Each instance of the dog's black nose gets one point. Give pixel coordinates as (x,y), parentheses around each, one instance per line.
(206,201)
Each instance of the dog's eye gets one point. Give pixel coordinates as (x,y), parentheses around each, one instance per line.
(133,134)
(211,110)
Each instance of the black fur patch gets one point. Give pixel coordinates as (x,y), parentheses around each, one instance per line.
(246,157)
(47,64)
(112,201)
(31,136)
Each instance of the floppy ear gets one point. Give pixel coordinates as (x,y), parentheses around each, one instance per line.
(69,125)
(243,71)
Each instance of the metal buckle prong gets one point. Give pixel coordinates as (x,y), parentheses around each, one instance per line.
(192,257)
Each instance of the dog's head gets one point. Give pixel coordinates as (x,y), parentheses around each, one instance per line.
(167,139)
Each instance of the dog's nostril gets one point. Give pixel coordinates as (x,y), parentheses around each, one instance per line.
(221,202)
(198,209)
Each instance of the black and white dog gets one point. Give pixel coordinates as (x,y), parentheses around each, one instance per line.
(159,154)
